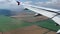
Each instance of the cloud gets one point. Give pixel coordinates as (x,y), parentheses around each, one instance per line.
(4,1)
(55,2)
(50,3)
(13,5)
(9,4)
(27,2)
(46,3)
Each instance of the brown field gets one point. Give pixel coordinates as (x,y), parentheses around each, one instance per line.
(29,18)
(30,30)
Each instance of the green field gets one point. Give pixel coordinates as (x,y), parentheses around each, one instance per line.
(49,24)
(7,24)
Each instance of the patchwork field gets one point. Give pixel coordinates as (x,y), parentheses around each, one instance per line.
(48,24)
(29,17)
(30,30)
(7,24)
(27,24)
(40,21)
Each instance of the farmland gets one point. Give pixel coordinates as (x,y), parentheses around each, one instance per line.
(27,24)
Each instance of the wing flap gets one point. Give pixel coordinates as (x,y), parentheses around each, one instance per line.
(57,19)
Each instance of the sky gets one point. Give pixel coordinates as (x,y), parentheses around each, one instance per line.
(11,4)
(44,3)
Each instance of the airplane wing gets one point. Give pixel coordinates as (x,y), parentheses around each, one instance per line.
(51,13)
